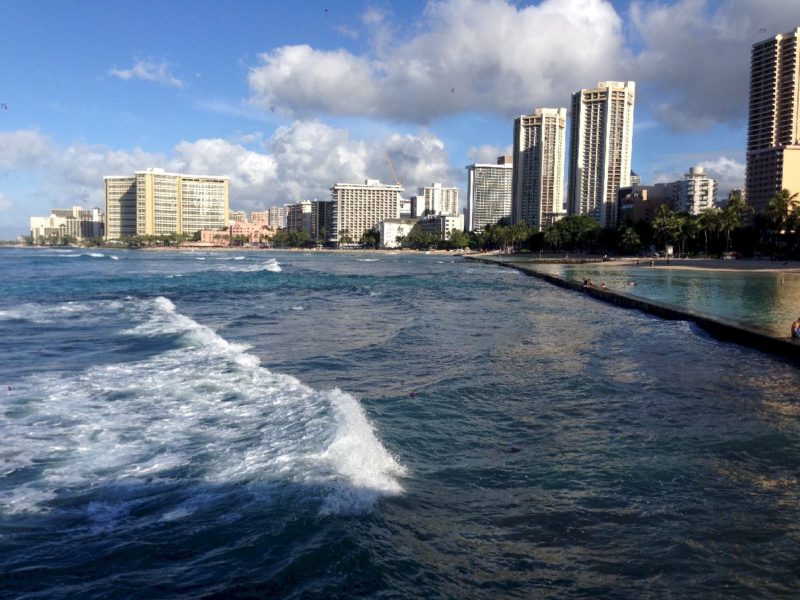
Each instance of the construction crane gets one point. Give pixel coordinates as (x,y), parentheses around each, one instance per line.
(391,166)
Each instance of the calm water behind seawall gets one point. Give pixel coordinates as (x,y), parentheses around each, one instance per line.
(324,425)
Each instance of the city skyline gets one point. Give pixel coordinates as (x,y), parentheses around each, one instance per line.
(83,102)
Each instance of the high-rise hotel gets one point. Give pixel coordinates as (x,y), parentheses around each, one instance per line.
(537,194)
(488,194)
(154,202)
(356,208)
(601,143)
(773,133)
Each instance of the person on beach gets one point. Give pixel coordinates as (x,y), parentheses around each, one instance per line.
(796,329)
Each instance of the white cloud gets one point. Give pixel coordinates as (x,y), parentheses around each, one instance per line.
(487,154)
(300,161)
(728,172)
(149,71)
(468,55)
(24,149)
(696,56)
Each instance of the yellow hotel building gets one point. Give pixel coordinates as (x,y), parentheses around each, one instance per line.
(154,202)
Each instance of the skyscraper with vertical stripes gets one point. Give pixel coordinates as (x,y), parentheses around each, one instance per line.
(537,195)
(773,131)
(601,145)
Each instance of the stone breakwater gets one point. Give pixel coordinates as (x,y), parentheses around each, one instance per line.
(720,328)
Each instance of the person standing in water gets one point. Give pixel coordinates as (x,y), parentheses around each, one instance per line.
(796,329)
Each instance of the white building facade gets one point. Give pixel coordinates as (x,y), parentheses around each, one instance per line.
(75,222)
(601,145)
(357,208)
(488,194)
(695,192)
(435,200)
(537,195)
(392,231)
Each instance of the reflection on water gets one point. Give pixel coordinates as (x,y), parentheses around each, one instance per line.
(769,301)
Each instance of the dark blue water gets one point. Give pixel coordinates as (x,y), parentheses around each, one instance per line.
(347,425)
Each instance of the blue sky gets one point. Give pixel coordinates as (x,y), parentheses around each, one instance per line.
(288,98)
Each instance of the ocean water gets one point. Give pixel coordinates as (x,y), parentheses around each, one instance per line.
(769,301)
(195,425)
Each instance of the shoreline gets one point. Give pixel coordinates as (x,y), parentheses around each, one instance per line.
(720,328)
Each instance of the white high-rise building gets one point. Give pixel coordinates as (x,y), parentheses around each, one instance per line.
(488,194)
(773,132)
(277,216)
(695,192)
(436,200)
(537,195)
(601,144)
(357,208)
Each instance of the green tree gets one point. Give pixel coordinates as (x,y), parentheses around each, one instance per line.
(708,222)
(344,237)
(370,238)
(552,237)
(630,240)
(458,239)
(731,218)
(665,225)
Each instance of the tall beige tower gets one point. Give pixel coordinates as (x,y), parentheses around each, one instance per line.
(601,144)
(537,195)
(773,133)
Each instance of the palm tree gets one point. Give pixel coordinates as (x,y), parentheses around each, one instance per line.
(731,218)
(552,237)
(665,224)
(708,221)
(630,240)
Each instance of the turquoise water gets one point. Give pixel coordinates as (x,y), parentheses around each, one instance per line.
(215,425)
(766,301)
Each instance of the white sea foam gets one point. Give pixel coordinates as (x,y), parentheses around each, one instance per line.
(206,405)
(96,254)
(297,308)
(270,265)
(41,313)
(238,258)
(368,259)
(114,257)
(199,257)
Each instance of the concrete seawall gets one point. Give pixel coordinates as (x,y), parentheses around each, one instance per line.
(719,328)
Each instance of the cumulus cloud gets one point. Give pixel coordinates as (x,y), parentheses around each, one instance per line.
(728,172)
(690,59)
(146,70)
(696,56)
(487,154)
(300,161)
(468,55)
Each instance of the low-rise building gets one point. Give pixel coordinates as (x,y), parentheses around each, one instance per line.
(392,231)
(75,222)
(442,225)
(256,233)
(640,202)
